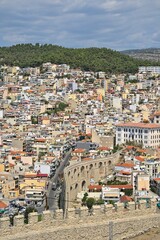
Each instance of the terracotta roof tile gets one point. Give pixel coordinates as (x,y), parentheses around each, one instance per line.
(2,205)
(126,198)
(138,125)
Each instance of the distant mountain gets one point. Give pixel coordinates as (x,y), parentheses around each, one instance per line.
(152,54)
(94,59)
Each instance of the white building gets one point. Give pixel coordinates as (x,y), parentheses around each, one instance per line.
(147,134)
(110,194)
(152,167)
(117,103)
(153,69)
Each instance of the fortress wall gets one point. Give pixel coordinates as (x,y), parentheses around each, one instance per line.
(113,230)
(78,217)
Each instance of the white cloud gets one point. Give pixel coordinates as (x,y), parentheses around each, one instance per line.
(117,24)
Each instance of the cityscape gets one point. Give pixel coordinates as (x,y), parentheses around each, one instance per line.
(73,139)
(79,120)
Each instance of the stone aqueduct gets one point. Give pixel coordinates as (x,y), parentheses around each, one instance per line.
(77,175)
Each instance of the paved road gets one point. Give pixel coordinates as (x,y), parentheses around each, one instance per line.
(53,195)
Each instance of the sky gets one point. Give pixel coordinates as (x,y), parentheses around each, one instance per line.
(115,24)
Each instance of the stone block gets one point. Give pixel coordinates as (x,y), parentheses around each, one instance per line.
(131,206)
(143,204)
(59,214)
(33,218)
(19,220)
(84,212)
(4,223)
(71,213)
(97,210)
(108,209)
(78,213)
(120,207)
(47,216)
(153,203)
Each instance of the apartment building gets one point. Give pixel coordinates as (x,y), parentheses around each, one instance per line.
(152,167)
(153,69)
(141,184)
(147,134)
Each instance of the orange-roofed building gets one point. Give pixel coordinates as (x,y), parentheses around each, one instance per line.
(3,205)
(130,147)
(95,188)
(79,152)
(156,117)
(87,159)
(103,149)
(144,133)
(138,160)
(40,140)
(125,198)
(127,167)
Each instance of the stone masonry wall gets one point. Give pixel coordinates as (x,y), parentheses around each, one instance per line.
(105,222)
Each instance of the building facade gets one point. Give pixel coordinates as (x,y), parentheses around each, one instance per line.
(147,134)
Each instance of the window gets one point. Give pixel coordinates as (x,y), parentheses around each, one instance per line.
(145,131)
(119,129)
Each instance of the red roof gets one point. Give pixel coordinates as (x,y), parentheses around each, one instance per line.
(139,125)
(95,187)
(40,140)
(139,159)
(103,148)
(87,159)
(121,186)
(156,179)
(2,205)
(125,173)
(99,187)
(129,147)
(125,165)
(156,114)
(42,175)
(79,150)
(126,198)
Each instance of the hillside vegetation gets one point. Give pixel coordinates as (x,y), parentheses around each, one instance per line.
(151,54)
(95,59)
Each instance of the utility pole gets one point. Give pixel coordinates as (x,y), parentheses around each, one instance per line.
(110,230)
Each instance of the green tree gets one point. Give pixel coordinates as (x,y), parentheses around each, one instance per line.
(26,213)
(90,202)
(88,59)
(100,202)
(84,199)
(34,119)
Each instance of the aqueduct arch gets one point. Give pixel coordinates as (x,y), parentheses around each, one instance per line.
(77,176)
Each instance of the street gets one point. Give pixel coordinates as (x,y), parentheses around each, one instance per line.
(53,195)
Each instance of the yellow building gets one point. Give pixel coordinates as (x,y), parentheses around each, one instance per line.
(124,95)
(13,193)
(101,91)
(2,168)
(143,182)
(32,182)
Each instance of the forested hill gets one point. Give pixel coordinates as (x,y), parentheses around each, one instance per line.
(151,54)
(95,59)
